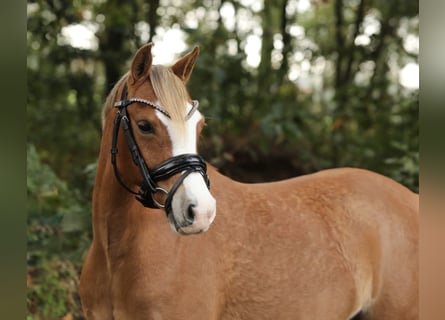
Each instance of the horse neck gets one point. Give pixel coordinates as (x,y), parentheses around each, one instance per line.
(226,191)
(115,210)
(108,194)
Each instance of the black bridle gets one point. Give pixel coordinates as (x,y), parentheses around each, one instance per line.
(184,163)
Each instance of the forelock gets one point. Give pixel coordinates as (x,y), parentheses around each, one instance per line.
(170,91)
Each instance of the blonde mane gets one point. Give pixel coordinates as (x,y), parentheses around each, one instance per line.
(111,98)
(169,90)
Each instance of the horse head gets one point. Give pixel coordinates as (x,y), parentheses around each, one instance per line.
(159,126)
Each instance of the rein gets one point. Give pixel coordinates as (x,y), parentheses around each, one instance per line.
(184,163)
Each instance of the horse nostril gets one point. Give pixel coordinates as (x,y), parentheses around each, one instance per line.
(190,216)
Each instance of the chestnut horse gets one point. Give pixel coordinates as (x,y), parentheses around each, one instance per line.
(338,244)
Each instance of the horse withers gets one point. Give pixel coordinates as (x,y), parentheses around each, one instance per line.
(338,244)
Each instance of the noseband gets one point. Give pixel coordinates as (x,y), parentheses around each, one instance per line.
(184,163)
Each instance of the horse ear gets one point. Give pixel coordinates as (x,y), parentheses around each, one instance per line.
(141,64)
(183,67)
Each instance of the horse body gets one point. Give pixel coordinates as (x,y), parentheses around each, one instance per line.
(322,246)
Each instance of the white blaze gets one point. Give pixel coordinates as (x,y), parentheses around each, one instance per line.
(194,189)
(182,141)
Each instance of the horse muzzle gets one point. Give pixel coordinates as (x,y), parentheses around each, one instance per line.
(193,208)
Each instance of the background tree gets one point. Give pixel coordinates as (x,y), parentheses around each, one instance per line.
(288,87)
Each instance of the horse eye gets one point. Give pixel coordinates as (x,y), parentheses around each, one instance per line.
(145,127)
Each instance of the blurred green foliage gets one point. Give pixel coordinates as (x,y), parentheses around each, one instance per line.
(322,90)
(58,235)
